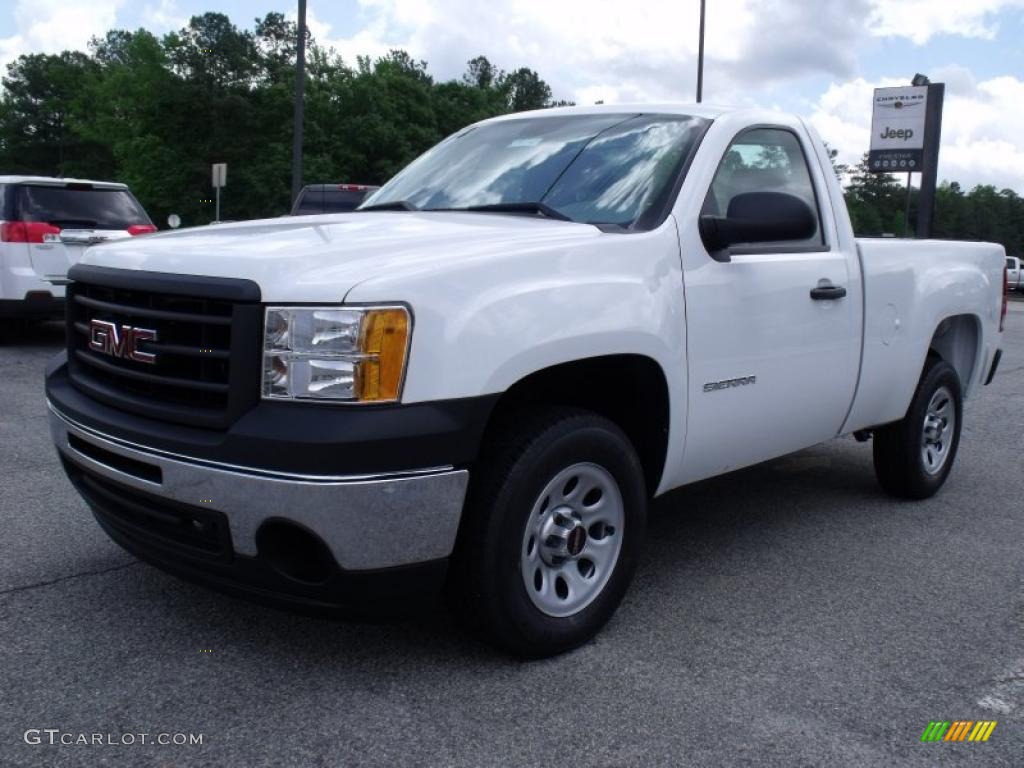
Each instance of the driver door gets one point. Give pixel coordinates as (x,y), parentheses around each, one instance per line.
(771,369)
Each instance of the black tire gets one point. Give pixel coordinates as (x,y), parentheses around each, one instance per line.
(900,465)
(519,461)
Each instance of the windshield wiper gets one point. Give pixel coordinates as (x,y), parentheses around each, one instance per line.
(525,207)
(394,205)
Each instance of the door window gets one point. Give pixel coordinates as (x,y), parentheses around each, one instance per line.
(764,160)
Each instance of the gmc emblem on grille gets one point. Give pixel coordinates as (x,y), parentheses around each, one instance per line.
(105,337)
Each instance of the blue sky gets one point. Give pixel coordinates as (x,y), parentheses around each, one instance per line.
(821,58)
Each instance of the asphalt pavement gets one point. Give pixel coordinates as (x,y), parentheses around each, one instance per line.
(785,615)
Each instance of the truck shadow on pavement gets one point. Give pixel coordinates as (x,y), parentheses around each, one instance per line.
(714,526)
(49,335)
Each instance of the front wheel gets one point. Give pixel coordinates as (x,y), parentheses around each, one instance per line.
(913,456)
(553,526)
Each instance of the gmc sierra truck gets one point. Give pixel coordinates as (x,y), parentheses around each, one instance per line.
(478,380)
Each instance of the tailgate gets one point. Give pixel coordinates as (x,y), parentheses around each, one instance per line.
(52,257)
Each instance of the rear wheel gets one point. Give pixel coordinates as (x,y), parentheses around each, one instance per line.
(553,525)
(913,457)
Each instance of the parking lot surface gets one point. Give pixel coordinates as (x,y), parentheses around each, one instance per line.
(788,614)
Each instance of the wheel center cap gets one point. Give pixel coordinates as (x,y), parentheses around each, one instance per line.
(562,536)
(576,540)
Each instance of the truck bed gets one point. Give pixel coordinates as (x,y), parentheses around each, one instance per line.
(909,287)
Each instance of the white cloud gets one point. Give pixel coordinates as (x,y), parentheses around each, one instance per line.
(920,20)
(163,16)
(980,136)
(608,49)
(370,41)
(52,26)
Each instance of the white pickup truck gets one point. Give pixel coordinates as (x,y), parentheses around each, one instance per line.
(480,379)
(1014,276)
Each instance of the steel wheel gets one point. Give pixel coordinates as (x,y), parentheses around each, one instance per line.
(937,431)
(572,539)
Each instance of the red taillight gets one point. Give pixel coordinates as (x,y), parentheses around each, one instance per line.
(141,229)
(352,187)
(26,231)
(1006,294)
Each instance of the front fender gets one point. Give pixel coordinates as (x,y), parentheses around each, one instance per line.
(485,322)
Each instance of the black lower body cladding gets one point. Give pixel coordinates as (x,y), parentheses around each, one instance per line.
(320,507)
(300,438)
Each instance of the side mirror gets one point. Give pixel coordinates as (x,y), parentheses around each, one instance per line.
(757,217)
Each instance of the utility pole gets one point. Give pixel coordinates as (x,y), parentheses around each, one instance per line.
(300,97)
(700,56)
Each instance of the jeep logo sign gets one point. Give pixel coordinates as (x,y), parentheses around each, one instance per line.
(904,134)
(897,129)
(106,338)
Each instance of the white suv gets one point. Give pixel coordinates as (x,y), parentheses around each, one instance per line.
(45,226)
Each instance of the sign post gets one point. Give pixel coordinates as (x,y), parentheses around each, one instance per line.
(220,179)
(930,166)
(905,128)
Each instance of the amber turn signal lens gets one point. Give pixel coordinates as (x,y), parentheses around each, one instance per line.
(385,342)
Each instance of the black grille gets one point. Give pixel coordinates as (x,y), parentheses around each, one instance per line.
(154,519)
(206,367)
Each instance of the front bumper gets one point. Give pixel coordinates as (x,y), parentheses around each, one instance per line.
(386,535)
(366,522)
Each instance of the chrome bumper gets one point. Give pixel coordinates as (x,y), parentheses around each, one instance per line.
(367,522)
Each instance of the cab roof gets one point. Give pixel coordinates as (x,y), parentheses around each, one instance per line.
(707,111)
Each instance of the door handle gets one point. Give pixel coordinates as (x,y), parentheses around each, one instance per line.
(827,292)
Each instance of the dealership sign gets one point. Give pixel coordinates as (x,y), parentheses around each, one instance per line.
(898,129)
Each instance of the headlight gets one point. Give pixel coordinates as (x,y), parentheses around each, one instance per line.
(356,354)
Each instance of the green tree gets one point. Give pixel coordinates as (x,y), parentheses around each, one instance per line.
(156,112)
(523,89)
(876,201)
(44,100)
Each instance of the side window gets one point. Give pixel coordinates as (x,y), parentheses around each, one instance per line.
(764,160)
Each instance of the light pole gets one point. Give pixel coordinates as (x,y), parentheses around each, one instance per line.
(300,96)
(700,56)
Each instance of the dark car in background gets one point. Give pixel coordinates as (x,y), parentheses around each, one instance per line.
(330,198)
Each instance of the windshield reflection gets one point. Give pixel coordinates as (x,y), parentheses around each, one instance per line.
(607,168)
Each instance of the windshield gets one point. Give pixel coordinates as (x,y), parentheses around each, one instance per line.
(597,169)
(80,206)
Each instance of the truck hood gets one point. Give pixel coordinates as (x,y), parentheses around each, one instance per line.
(321,258)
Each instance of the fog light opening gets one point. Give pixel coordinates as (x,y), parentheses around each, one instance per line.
(294,552)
